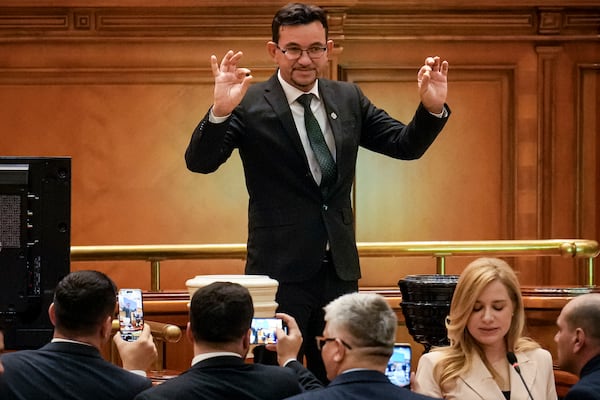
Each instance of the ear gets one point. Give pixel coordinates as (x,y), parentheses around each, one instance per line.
(246,340)
(329,47)
(339,353)
(107,327)
(272,50)
(52,314)
(578,340)
(188,333)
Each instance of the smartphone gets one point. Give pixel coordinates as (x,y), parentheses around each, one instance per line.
(131,314)
(398,368)
(264,330)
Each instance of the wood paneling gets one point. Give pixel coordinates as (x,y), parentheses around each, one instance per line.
(120,89)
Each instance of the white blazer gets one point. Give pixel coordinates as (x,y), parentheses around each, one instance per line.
(478,384)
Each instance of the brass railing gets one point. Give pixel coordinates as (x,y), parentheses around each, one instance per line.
(440,250)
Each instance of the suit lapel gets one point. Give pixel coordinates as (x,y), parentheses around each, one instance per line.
(528,371)
(275,96)
(481,382)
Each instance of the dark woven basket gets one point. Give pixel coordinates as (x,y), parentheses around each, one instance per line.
(425,304)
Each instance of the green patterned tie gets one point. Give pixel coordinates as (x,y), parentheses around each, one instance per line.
(318,145)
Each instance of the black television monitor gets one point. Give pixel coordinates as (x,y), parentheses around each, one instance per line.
(35,245)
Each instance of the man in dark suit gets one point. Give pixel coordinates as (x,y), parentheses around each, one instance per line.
(300,218)
(356,346)
(219,328)
(71,366)
(578,345)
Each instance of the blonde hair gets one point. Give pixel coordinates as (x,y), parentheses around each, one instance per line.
(458,357)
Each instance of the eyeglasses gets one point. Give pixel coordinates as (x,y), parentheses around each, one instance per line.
(321,340)
(294,53)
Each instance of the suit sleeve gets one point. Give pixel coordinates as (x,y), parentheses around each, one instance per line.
(580,394)
(210,146)
(307,380)
(425,382)
(386,135)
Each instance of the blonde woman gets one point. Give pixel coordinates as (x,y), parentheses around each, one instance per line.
(486,324)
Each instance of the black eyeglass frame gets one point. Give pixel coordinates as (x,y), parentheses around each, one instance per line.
(321,340)
(286,52)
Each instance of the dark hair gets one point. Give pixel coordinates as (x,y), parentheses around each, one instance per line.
(83,300)
(297,14)
(221,312)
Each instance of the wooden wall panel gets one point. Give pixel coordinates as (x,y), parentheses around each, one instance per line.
(121,88)
(419,200)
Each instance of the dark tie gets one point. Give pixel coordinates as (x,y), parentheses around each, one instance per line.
(318,145)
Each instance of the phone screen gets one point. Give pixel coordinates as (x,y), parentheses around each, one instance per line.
(131,314)
(264,330)
(398,368)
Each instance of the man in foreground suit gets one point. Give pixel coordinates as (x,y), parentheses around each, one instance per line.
(357,343)
(578,345)
(71,366)
(219,328)
(298,176)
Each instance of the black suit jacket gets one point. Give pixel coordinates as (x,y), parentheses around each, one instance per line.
(225,378)
(588,386)
(65,371)
(361,385)
(289,222)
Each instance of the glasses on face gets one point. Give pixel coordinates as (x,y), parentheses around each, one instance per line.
(294,52)
(321,340)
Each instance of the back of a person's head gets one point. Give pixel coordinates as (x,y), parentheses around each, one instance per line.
(83,300)
(221,312)
(584,313)
(367,317)
(297,14)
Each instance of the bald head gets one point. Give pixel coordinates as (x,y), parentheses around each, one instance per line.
(584,312)
(578,336)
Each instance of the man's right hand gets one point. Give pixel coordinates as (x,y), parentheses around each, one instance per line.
(231,83)
(137,355)
(288,344)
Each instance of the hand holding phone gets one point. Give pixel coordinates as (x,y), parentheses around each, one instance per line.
(131,314)
(264,330)
(137,355)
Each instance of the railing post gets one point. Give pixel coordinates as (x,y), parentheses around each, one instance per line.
(154,275)
(590,272)
(440,263)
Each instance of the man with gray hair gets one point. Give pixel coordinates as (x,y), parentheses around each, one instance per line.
(578,344)
(357,343)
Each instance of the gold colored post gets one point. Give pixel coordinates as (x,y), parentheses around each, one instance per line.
(590,263)
(155,275)
(440,262)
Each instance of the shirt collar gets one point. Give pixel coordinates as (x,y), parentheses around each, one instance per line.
(60,340)
(292,93)
(206,356)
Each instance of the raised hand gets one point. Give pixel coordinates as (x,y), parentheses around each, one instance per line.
(231,83)
(288,344)
(433,84)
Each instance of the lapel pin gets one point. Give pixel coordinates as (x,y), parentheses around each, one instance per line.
(333,115)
